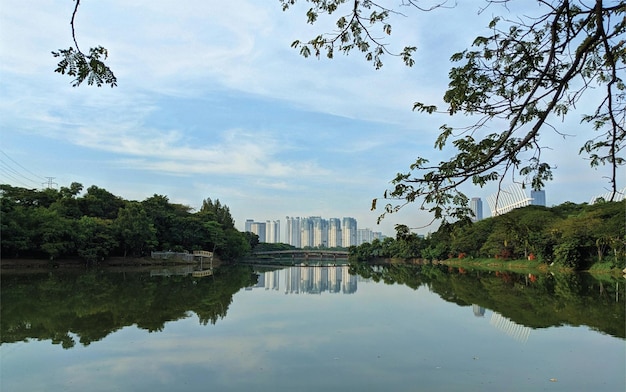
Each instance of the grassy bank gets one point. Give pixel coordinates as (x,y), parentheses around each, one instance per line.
(522,266)
(527,266)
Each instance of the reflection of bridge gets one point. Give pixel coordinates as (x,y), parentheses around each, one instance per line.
(303,254)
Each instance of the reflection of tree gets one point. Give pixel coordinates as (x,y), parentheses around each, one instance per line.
(536,301)
(91,305)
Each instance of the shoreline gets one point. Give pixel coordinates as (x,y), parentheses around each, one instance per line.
(44,264)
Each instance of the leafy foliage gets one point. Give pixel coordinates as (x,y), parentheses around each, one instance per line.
(60,223)
(90,68)
(82,67)
(530,70)
(574,236)
(353,30)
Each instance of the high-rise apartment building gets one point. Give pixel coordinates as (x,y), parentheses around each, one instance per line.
(259,229)
(249,223)
(306,232)
(334,233)
(364,235)
(476,205)
(313,231)
(272,231)
(292,235)
(349,232)
(320,232)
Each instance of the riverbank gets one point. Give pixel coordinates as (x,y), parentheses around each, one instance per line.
(6,264)
(528,266)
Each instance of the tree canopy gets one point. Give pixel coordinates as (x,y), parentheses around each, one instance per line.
(64,224)
(531,70)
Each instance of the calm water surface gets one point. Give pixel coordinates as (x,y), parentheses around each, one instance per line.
(311,329)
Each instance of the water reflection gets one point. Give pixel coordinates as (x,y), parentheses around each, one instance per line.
(310,280)
(70,307)
(405,328)
(511,328)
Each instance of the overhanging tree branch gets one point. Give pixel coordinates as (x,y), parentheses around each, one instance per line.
(84,67)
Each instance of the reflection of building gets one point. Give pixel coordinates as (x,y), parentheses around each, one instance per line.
(348,281)
(310,280)
(514,330)
(271,280)
(479,311)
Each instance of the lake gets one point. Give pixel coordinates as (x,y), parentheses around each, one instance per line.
(311,328)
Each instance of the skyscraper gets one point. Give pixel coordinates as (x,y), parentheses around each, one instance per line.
(292,236)
(334,233)
(306,232)
(364,235)
(538,198)
(259,229)
(476,205)
(249,223)
(349,232)
(272,231)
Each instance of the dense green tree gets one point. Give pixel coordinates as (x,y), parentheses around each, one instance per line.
(95,238)
(217,212)
(470,238)
(253,239)
(100,203)
(136,231)
(56,233)
(167,219)
(17,228)
(67,203)
(235,245)
(586,235)
(50,223)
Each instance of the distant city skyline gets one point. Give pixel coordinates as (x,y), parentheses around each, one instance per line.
(313,231)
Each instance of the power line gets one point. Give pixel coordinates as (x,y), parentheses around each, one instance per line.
(18,164)
(15,179)
(11,172)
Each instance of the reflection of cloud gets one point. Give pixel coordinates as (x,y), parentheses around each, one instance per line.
(162,356)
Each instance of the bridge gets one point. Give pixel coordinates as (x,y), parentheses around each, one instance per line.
(303,254)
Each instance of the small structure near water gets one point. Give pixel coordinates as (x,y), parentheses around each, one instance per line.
(186,257)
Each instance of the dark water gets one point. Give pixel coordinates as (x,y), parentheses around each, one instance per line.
(396,328)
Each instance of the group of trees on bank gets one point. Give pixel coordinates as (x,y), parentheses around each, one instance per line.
(96,224)
(571,235)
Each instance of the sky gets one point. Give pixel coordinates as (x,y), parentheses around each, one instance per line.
(212,102)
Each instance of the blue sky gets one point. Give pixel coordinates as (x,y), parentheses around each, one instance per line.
(213,102)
